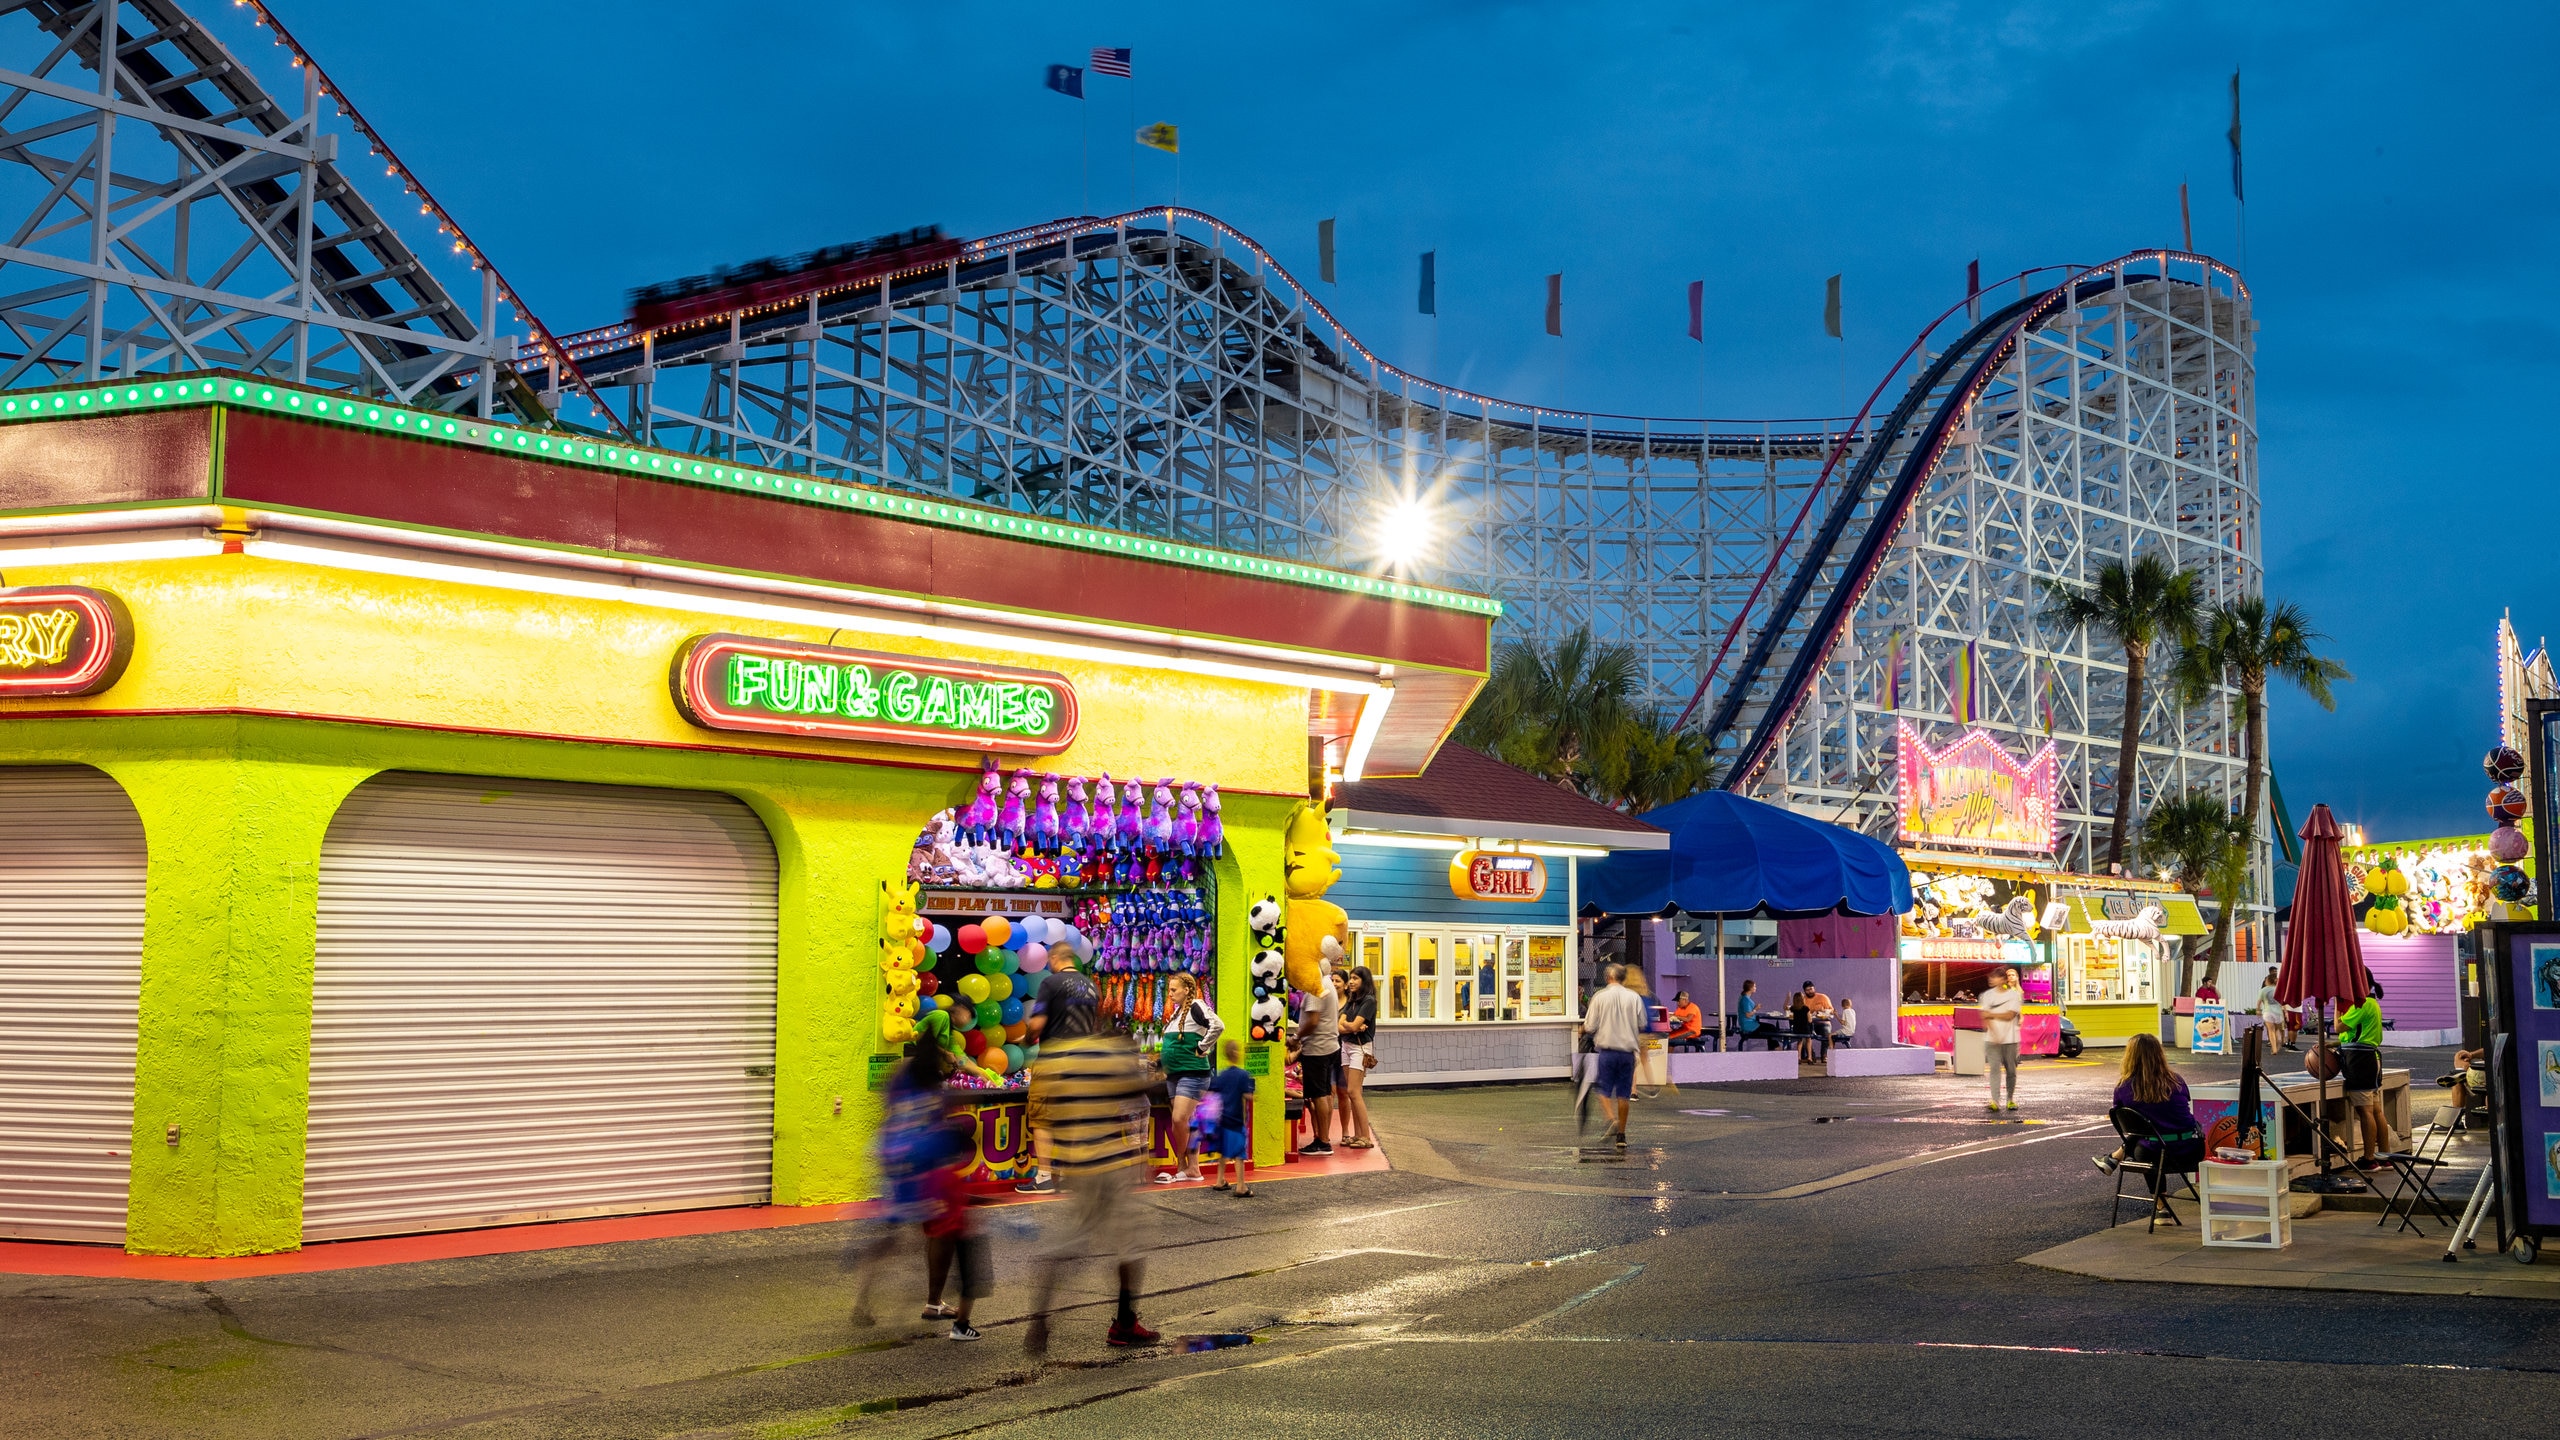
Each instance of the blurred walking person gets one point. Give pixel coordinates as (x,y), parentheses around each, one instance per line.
(1094,1087)
(1614,1020)
(2002,1006)
(916,1155)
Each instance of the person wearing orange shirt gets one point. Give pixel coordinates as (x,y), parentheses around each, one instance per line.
(1688,1027)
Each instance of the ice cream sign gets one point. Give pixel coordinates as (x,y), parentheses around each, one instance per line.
(61,640)
(776,687)
(1975,795)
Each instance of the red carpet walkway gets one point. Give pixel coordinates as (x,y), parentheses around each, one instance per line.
(35,1257)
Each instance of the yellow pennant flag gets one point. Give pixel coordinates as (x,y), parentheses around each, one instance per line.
(1161,137)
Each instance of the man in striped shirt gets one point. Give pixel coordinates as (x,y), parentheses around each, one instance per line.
(1093,1092)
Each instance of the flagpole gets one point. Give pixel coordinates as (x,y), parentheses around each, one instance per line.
(1084,156)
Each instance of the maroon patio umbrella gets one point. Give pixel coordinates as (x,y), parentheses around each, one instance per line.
(2322,965)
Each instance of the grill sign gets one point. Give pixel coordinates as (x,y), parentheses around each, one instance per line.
(736,682)
(1497,875)
(61,640)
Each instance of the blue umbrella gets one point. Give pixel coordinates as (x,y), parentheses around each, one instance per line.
(1733,856)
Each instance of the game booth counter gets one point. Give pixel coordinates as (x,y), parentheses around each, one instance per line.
(427,823)
(1978,829)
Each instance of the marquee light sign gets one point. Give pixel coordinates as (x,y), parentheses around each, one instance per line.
(1974,794)
(1497,875)
(61,640)
(776,687)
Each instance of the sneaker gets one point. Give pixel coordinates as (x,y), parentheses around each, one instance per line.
(963,1330)
(1319,1148)
(1131,1334)
(2106,1163)
(940,1312)
(2013,1104)
(1991,1105)
(1037,1185)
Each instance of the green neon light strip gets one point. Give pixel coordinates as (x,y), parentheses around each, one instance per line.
(571,450)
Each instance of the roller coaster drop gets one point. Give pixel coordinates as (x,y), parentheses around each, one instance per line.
(1160,372)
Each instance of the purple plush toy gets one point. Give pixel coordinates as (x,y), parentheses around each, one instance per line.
(1133,818)
(978,821)
(1186,821)
(1077,822)
(1044,816)
(1213,830)
(1015,817)
(1160,824)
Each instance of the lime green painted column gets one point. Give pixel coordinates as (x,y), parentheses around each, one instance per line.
(224,1055)
(1254,825)
(835,846)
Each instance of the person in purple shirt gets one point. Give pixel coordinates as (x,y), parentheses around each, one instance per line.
(2149,1088)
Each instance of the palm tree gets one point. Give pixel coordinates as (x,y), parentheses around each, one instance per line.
(2193,836)
(2243,644)
(1547,710)
(2138,605)
(1653,764)
(1567,713)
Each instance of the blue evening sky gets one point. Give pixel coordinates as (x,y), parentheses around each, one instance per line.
(2398,167)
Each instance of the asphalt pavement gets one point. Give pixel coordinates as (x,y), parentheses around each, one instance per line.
(1809,1258)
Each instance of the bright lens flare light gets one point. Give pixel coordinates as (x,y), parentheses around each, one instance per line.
(1405,532)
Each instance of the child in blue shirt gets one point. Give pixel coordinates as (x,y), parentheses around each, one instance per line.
(1223,1115)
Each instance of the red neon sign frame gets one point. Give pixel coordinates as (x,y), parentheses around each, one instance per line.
(781,687)
(1974,793)
(61,640)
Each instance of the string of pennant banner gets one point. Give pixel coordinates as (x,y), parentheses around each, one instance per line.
(1118,61)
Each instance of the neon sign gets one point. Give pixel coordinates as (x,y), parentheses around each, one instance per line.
(776,687)
(1497,875)
(1975,794)
(61,640)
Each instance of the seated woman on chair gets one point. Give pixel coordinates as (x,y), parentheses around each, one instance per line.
(2158,1094)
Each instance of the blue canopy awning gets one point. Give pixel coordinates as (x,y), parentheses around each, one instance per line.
(1731,855)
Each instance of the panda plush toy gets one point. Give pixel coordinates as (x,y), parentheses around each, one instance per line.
(1266,1015)
(1264,917)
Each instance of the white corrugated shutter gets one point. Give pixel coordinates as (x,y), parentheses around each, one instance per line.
(534,1001)
(71,881)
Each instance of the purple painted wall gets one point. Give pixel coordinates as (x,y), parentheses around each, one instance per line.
(1874,983)
(2419,977)
(1873,936)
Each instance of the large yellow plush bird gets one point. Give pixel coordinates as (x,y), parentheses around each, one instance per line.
(1310,868)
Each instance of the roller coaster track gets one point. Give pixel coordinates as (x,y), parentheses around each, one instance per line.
(1875,500)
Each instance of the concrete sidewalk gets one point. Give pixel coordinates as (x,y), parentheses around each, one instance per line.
(2330,1251)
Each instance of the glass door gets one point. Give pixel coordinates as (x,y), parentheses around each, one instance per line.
(1399,975)
(1462,977)
(1426,975)
(1488,976)
(1515,975)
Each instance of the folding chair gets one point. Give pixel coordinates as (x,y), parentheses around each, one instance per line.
(2135,1130)
(2417,1170)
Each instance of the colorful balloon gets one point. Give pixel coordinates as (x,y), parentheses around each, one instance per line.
(1011,1010)
(1015,1031)
(974,986)
(940,940)
(928,983)
(1035,959)
(1012,1058)
(996,928)
(1000,987)
(972,939)
(941,1002)
(973,1042)
(990,961)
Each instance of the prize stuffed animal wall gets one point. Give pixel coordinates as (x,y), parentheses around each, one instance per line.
(901,954)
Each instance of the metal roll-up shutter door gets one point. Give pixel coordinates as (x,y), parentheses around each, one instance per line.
(71,884)
(533,1001)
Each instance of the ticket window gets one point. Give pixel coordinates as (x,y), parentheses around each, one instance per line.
(1515,976)
(1462,977)
(1426,976)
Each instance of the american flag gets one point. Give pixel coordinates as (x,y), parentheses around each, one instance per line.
(1108,61)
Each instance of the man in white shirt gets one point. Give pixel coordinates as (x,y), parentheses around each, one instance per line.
(2002,1006)
(1614,1019)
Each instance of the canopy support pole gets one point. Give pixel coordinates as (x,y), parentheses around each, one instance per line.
(1724,1042)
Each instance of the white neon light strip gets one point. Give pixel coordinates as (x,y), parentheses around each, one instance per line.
(1452,847)
(108,554)
(1364,734)
(330,557)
